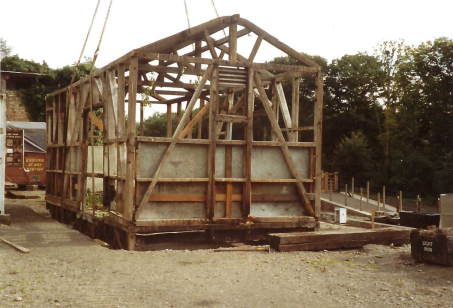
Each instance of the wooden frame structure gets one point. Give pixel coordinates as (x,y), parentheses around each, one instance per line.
(180,182)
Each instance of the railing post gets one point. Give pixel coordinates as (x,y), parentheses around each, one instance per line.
(361,196)
(346,194)
(367,192)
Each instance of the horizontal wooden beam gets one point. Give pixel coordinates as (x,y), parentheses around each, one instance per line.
(149,56)
(235,198)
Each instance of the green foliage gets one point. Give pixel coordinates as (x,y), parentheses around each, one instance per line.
(33,97)
(16,64)
(352,157)
(5,49)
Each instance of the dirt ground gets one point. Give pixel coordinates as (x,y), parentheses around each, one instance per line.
(68,269)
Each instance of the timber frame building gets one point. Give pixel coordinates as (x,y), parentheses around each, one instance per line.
(222,183)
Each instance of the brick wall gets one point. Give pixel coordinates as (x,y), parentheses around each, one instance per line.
(15,110)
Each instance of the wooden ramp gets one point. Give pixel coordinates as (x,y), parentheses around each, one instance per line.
(336,239)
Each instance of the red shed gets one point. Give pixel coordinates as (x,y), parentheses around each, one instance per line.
(26,153)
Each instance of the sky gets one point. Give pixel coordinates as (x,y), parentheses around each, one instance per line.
(55,30)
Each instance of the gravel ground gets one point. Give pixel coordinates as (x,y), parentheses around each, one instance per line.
(68,269)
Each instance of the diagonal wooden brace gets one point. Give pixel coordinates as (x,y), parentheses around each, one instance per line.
(175,138)
(286,153)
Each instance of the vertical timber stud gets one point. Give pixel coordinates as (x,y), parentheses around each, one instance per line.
(213,110)
(130,166)
(250,99)
(318,140)
(295,109)
(121,150)
(169,121)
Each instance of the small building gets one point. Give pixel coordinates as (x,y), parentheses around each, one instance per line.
(10,83)
(26,153)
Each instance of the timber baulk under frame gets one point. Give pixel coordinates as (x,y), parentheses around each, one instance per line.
(219,180)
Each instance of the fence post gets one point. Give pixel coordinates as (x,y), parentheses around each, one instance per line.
(378,201)
(418,204)
(352,187)
(367,192)
(439,205)
(397,204)
(372,219)
(383,197)
(361,196)
(401,200)
(336,181)
(346,194)
(331,184)
(326,181)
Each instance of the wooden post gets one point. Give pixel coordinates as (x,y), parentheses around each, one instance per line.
(331,190)
(295,109)
(439,205)
(352,187)
(383,197)
(336,181)
(361,196)
(131,139)
(200,123)
(346,194)
(213,111)
(367,192)
(319,93)
(248,107)
(326,180)
(379,201)
(372,219)
(169,121)
(401,200)
(418,204)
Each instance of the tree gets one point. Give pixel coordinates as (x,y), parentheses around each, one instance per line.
(352,157)
(425,113)
(5,49)
(389,54)
(351,101)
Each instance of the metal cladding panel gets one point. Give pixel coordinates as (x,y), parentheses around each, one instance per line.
(269,163)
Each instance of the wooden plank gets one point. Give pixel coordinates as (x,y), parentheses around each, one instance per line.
(200,120)
(318,140)
(129,191)
(285,110)
(232,118)
(175,138)
(169,121)
(18,247)
(193,198)
(250,99)
(213,111)
(336,235)
(96,121)
(195,120)
(209,41)
(229,185)
(275,42)
(120,133)
(242,62)
(233,41)
(334,245)
(295,109)
(284,147)
(255,49)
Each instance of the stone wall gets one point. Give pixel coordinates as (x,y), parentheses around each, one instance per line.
(15,110)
